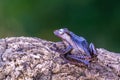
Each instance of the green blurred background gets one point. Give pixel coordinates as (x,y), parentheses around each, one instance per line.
(96,20)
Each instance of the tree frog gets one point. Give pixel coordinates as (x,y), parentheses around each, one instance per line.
(82,51)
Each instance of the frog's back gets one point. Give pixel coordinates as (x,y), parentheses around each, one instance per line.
(80,42)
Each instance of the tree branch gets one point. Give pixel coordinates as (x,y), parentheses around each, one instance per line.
(25,58)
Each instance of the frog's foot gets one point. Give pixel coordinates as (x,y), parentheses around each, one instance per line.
(64,58)
(68,49)
(92,49)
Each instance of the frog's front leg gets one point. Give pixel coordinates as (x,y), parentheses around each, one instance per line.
(66,51)
(68,48)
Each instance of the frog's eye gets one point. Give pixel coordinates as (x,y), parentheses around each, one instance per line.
(61,31)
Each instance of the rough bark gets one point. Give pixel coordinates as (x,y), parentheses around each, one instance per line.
(25,58)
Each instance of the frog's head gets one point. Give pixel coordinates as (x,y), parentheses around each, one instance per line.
(62,33)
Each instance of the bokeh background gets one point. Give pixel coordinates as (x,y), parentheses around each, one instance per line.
(96,20)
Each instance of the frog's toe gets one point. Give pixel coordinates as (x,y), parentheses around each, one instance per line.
(92,49)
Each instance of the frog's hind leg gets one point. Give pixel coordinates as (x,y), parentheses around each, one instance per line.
(73,58)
